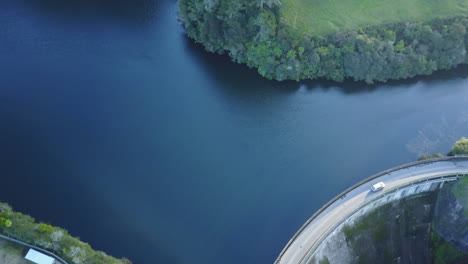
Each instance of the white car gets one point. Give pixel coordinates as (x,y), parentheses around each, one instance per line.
(378,186)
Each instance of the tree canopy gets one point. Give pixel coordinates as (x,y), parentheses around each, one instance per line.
(460,147)
(252,32)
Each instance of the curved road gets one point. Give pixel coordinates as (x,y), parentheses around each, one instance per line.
(342,206)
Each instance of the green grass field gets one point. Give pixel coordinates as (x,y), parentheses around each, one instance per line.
(323,16)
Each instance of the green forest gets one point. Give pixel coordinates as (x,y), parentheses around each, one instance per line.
(283,45)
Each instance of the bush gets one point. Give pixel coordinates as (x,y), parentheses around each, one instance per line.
(460,147)
(45,228)
(431,156)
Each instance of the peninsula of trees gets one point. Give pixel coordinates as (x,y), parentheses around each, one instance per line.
(367,41)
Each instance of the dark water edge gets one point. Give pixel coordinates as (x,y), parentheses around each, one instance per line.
(213,62)
(120,129)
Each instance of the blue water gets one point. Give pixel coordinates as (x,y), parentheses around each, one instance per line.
(118,128)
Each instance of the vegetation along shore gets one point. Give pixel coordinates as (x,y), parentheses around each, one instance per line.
(367,41)
(54,239)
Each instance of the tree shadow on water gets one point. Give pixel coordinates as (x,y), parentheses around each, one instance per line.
(241,79)
(356,87)
(233,77)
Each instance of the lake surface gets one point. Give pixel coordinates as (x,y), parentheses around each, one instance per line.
(120,129)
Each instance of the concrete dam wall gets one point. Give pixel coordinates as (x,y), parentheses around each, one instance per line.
(398,228)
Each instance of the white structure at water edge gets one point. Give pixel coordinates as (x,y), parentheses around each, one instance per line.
(39,258)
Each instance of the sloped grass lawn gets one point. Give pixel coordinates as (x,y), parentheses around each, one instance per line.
(11,253)
(323,16)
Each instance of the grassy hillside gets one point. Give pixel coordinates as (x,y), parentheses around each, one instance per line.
(324,16)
